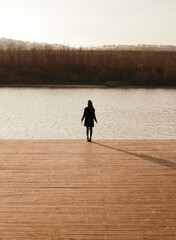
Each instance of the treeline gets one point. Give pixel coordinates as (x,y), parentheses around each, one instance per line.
(80,66)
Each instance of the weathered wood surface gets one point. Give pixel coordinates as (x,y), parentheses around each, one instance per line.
(75,190)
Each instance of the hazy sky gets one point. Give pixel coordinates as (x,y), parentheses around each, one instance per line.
(89,22)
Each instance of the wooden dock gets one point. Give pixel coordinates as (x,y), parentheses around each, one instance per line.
(76,190)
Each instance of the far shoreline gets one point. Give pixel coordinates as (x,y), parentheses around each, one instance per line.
(57,86)
(49,86)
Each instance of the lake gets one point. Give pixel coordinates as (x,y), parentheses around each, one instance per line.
(38,113)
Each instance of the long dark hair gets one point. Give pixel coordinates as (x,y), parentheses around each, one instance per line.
(90,105)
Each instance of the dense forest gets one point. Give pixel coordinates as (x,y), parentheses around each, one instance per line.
(111,68)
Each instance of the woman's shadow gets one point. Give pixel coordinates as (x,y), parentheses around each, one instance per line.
(160,161)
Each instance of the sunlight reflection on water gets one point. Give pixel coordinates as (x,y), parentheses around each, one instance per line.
(32,113)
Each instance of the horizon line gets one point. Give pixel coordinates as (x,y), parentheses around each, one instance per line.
(89,45)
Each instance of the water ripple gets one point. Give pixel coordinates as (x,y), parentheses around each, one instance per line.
(28,113)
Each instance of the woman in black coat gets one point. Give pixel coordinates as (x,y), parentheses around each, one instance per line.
(89,115)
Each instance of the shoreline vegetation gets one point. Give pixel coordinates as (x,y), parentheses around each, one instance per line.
(82,68)
(81,86)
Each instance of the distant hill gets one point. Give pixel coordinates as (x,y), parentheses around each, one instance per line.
(139,47)
(6,43)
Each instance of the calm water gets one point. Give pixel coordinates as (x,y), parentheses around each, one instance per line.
(28,113)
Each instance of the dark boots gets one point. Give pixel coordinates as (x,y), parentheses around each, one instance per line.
(89,139)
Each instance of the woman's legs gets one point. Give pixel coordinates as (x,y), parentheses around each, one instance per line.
(87,132)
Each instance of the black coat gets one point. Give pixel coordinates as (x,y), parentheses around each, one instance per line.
(89,115)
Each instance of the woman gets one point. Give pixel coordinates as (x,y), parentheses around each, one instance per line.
(89,115)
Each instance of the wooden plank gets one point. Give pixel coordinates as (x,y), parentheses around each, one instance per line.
(75,190)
